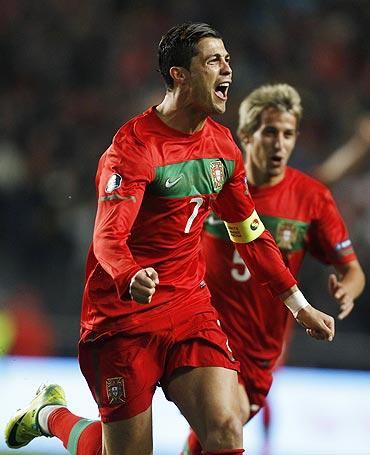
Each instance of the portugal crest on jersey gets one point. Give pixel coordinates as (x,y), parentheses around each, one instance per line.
(217,174)
(286,235)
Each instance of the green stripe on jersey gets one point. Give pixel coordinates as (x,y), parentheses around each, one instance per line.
(288,234)
(189,178)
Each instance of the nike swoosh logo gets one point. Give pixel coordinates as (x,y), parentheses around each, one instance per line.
(213,221)
(170,183)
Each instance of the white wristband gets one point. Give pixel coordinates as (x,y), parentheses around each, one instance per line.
(295,302)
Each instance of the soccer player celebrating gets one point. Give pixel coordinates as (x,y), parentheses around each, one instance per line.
(301,215)
(146,315)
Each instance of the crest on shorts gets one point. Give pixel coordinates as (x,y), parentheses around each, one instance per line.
(217,174)
(286,235)
(116,390)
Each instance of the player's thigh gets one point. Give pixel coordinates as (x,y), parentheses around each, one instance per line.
(129,436)
(205,395)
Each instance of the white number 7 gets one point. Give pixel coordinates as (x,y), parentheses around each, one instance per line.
(198,202)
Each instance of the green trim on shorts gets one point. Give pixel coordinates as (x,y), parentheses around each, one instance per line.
(75,434)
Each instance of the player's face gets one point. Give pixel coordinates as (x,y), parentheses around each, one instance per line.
(209,77)
(272,144)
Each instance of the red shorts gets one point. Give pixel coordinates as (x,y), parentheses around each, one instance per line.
(123,370)
(256,376)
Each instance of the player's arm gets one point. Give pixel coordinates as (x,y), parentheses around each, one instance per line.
(347,286)
(329,242)
(120,185)
(348,156)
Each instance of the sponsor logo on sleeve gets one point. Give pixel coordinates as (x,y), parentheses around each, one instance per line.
(343,245)
(344,248)
(114,182)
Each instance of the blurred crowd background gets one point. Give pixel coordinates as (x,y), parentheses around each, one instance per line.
(73,71)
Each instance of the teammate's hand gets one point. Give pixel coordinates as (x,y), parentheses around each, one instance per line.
(317,324)
(143,283)
(339,292)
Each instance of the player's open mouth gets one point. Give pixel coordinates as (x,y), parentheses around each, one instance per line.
(276,160)
(222,89)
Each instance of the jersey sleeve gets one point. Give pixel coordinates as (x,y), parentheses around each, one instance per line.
(123,174)
(234,204)
(328,238)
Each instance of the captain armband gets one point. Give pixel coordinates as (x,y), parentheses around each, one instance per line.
(246,231)
(295,302)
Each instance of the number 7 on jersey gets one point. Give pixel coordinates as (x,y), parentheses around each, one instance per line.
(198,202)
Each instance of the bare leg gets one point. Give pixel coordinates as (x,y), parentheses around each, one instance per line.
(208,398)
(192,445)
(245,410)
(128,437)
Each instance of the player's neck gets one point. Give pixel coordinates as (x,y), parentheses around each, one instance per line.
(261,179)
(179,115)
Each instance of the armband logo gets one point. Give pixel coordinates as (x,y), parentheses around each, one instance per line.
(217,174)
(254,224)
(114,182)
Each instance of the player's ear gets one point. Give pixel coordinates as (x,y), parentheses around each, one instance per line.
(178,74)
(244,138)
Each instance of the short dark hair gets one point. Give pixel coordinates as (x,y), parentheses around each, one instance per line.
(179,45)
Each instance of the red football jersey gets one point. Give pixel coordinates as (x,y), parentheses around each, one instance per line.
(302,216)
(155,187)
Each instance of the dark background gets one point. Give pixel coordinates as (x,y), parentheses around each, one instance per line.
(73,71)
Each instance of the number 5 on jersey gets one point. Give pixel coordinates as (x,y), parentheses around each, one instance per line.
(240,273)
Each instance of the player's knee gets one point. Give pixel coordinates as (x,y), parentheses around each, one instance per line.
(225,432)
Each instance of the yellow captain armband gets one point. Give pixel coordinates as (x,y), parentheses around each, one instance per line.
(246,231)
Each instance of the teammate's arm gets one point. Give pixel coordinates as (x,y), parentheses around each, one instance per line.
(347,286)
(329,242)
(348,156)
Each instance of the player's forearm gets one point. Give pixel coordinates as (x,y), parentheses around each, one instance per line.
(352,278)
(111,231)
(342,160)
(116,259)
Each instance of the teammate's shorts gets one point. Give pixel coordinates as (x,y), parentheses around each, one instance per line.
(256,376)
(123,370)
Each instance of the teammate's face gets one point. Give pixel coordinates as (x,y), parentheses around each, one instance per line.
(209,77)
(270,146)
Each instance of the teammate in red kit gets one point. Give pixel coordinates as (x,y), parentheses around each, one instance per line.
(301,215)
(147,316)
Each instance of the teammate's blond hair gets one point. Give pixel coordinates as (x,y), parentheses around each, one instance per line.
(280,96)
